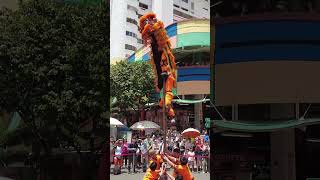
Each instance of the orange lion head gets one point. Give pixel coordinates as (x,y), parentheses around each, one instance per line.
(148,25)
(147,20)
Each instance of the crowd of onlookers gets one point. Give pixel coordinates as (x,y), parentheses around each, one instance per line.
(135,155)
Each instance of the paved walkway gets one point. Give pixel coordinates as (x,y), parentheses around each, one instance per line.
(139,175)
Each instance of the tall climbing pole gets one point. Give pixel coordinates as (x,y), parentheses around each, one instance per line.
(164,116)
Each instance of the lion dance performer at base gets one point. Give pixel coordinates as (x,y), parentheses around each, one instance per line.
(162,59)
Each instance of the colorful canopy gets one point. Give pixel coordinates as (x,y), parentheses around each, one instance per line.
(190,33)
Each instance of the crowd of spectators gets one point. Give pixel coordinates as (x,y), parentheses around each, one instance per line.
(135,155)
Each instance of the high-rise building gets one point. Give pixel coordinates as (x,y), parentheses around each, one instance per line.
(125,37)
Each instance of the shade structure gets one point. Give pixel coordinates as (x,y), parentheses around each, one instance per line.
(115,122)
(190,133)
(185,101)
(263,126)
(142,125)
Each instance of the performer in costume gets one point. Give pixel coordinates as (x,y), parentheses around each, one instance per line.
(162,59)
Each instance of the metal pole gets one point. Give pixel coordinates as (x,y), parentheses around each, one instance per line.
(164,118)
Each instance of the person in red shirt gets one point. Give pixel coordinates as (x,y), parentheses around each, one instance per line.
(199,154)
(125,151)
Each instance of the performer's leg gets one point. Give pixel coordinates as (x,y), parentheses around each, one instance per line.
(169,97)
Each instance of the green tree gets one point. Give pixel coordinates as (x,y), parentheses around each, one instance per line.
(54,68)
(131,84)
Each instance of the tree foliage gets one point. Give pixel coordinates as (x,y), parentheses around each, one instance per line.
(54,67)
(131,84)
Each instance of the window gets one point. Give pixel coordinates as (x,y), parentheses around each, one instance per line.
(140,41)
(131,7)
(130,47)
(192,5)
(181,14)
(176,6)
(185,9)
(143,6)
(133,21)
(186,1)
(128,33)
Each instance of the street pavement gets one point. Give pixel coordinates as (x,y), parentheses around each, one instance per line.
(139,175)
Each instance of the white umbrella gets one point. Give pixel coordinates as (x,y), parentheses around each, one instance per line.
(115,122)
(142,125)
(190,133)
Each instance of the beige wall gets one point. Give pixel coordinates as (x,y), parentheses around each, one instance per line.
(267,82)
(193,87)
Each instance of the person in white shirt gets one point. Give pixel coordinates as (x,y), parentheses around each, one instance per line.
(191,158)
(188,144)
(118,149)
(118,153)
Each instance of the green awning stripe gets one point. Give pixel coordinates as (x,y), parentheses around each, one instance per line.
(262,126)
(185,101)
(182,101)
(193,39)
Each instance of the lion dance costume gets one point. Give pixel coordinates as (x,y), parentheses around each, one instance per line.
(162,59)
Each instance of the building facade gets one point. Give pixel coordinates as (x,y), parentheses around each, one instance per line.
(265,73)
(125,38)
